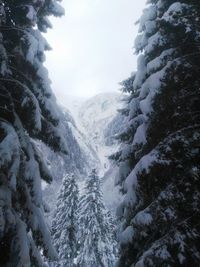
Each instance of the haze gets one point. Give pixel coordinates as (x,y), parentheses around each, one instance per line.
(93,46)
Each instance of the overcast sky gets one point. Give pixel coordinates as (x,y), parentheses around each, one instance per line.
(93,46)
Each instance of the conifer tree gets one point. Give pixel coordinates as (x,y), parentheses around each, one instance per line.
(159,158)
(64,226)
(27,112)
(97,245)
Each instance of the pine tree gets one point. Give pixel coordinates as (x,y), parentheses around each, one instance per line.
(64,226)
(96,238)
(27,112)
(159,159)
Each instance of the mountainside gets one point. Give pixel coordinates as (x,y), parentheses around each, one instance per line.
(80,159)
(89,127)
(100,121)
(95,115)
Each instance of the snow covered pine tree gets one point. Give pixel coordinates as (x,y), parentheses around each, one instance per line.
(27,112)
(64,226)
(160,153)
(96,238)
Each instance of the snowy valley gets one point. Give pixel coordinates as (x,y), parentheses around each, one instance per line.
(90,126)
(59,192)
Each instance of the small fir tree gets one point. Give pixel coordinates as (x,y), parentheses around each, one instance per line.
(97,244)
(64,226)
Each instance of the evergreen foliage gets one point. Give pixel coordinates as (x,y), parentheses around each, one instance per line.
(159,157)
(97,245)
(65,221)
(27,112)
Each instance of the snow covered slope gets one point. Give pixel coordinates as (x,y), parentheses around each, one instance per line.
(80,160)
(81,156)
(94,117)
(100,121)
(89,127)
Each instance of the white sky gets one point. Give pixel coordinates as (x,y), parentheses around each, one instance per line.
(92,46)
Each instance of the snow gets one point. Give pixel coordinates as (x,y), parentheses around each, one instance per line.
(160,61)
(147,22)
(176,16)
(9,145)
(4,69)
(28,98)
(150,88)
(140,135)
(37,45)
(38,224)
(10,153)
(35,251)
(23,244)
(162,252)
(5,196)
(111,194)
(127,235)
(150,26)
(122,172)
(133,106)
(139,264)
(156,250)
(32,14)
(57,9)
(47,24)
(131,182)
(143,218)
(170,213)
(174,10)
(141,73)
(2,220)
(32,173)
(95,113)
(155,40)
(181,258)
(149,14)
(86,152)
